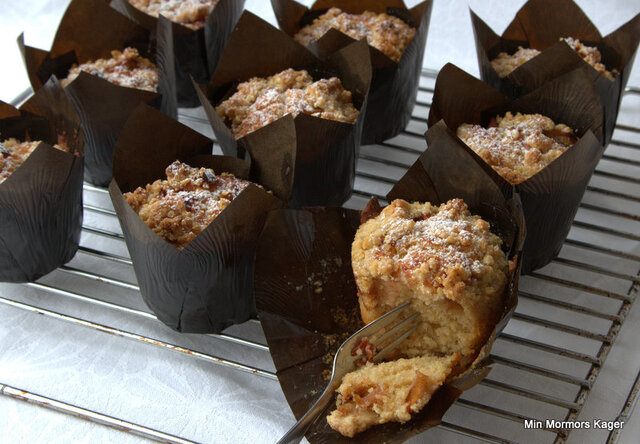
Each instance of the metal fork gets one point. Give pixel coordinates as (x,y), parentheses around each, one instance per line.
(346,359)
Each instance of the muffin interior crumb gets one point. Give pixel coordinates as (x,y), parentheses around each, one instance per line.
(518,146)
(260,101)
(387,33)
(125,68)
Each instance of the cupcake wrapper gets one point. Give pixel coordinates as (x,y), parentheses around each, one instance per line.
(208,285)
(561,18)
(394,86)
(551,197)
(325,150)
(308,305)
(41,202)
(196,51)
(89,30)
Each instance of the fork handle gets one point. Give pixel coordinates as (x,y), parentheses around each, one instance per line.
(296,433)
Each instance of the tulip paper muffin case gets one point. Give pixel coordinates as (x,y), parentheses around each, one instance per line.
(394,83)
(91,30)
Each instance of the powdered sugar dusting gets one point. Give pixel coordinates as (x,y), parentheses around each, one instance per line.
(124,68)
(259,101)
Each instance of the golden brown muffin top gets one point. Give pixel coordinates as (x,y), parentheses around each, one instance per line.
(387,33)
(505,63)
(260,101)
(518,146)
(180,207)
(14,153)
(442,259)
(452,269)
(126,68)
(190,13)
(443,250)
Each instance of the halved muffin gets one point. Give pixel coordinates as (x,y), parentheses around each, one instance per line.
(451,267)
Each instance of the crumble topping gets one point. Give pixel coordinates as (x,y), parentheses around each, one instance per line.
(180,207)
(452,269)
(387,33)
(519,146)
(13,153)
(126,68)
(505,63)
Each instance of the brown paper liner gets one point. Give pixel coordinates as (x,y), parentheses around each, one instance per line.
(393,85)
(208,285)
(307,298)
(540,24)
(89,30)
(41,202)
(325,150)
(196,51)
(551,197)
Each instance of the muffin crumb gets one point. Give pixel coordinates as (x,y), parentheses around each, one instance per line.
(191,13)
(13,153)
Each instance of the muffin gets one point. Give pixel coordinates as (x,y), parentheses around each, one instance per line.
(182,206)
(518,146)
(190,13)
(260,101)
(14,153)
(387,33)
(505,63)
(125,68)
(453,270)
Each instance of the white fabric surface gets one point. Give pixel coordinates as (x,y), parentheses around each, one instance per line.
(179,394)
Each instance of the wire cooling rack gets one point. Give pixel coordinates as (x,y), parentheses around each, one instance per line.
(546,361)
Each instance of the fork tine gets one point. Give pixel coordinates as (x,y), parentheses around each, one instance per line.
(381,354)
(345,361)
(384,320)
(394,330)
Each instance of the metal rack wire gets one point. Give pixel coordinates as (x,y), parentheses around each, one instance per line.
(585,295)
